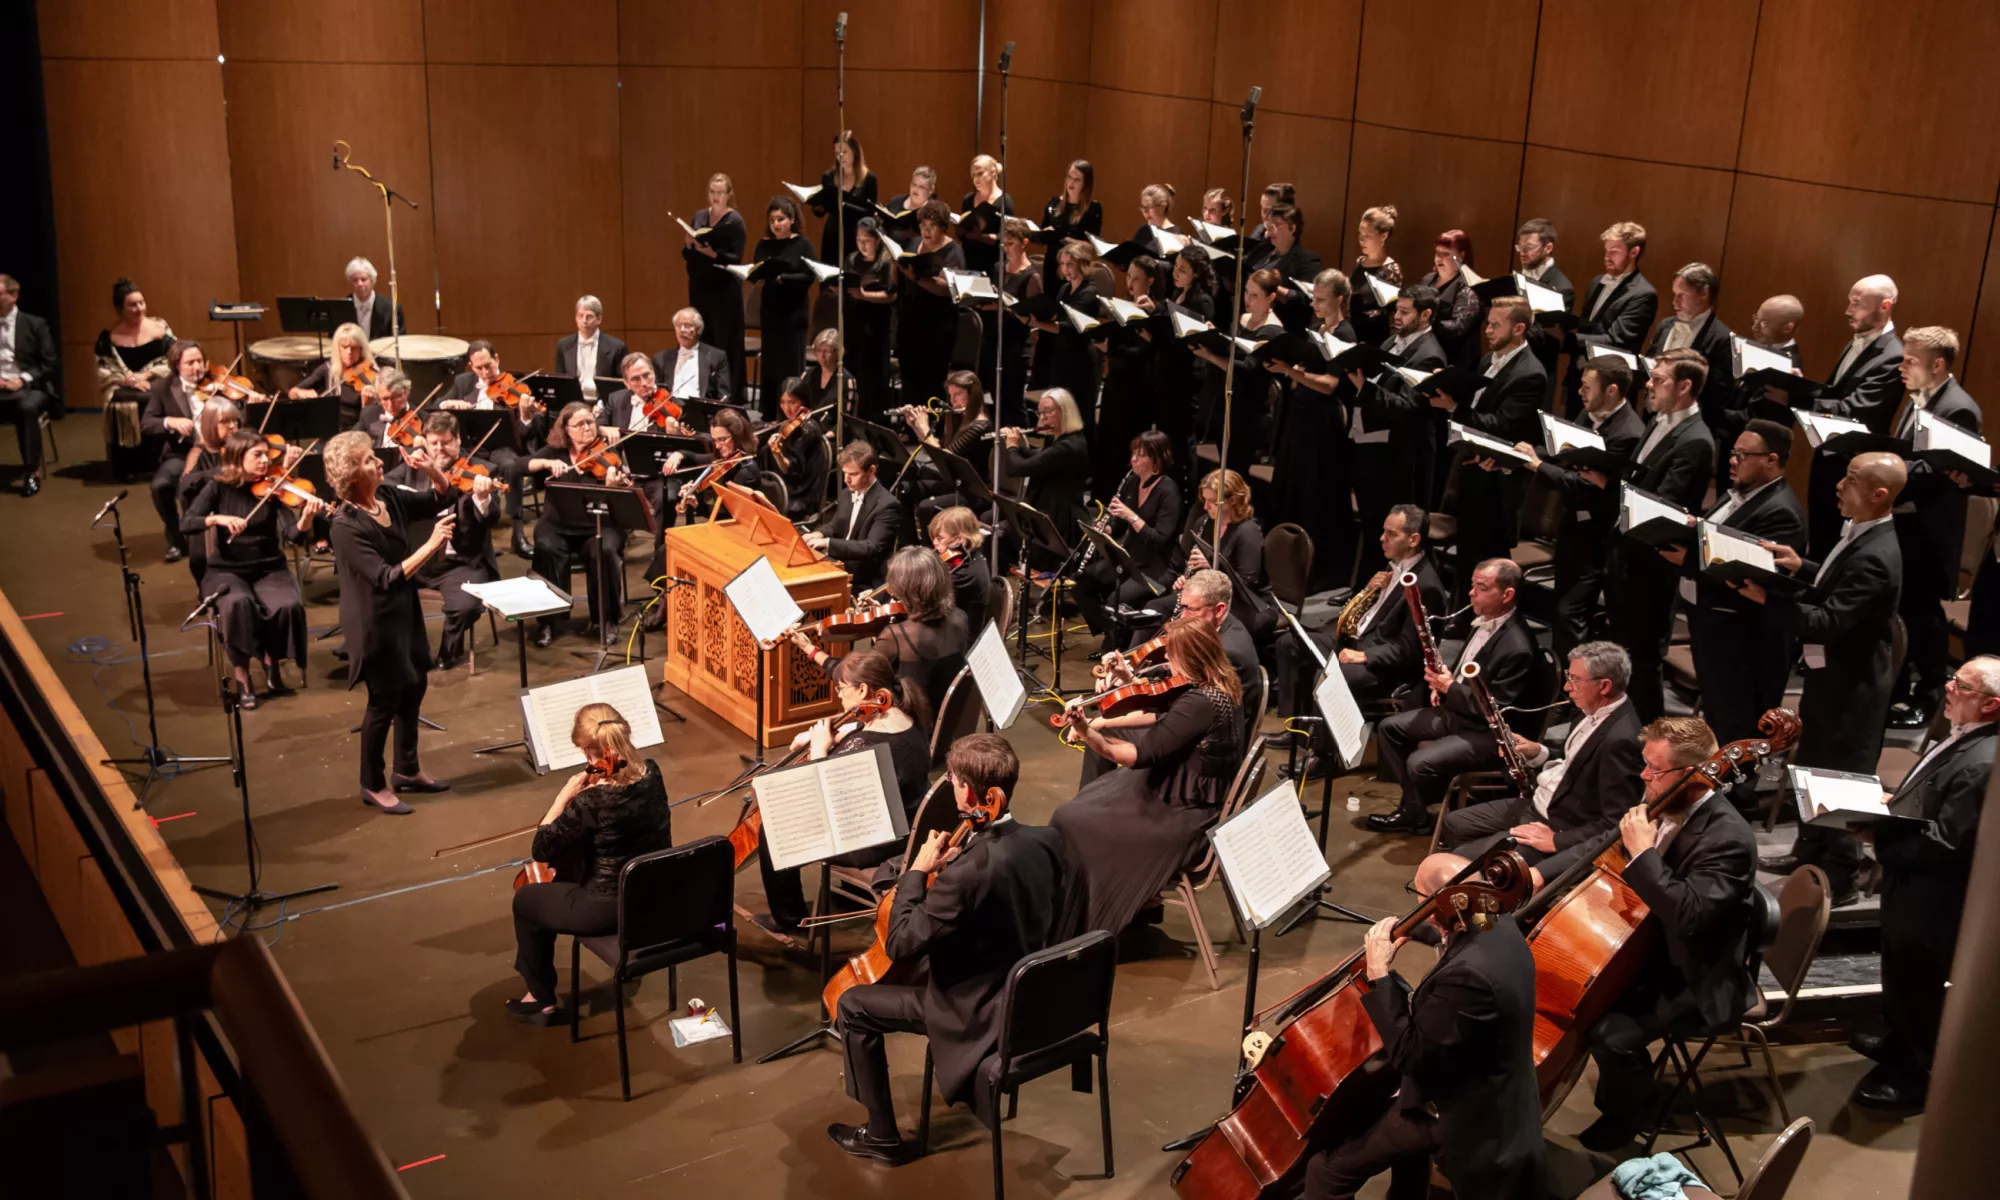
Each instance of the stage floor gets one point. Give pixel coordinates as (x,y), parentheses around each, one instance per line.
(403,969)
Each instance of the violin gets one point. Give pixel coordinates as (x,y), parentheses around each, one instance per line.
(661,408)
(508,392)
(1137,696)
(360,375)
(595,772)
(292,493)
(874,965)
(710,472)
(748,832)
(219,382)
(954,558)
(863,621)
(598,460)
(1314,1073)
(406,429)
(462,473)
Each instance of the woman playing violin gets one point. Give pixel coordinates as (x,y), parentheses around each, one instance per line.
(606,815)
(960,540)
(1132,828)
(901,726)
(577,449)
(796,451)
(730,435)
(351,372)
(217,421)
(928,648)
(260,613)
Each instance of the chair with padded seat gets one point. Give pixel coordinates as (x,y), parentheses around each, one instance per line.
(1288,560)
(674,906)
(1194,879)
(1798,917)
(1055,1013)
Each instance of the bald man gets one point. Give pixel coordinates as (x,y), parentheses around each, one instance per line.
(1866,386)
(1843,627)
(1773,327)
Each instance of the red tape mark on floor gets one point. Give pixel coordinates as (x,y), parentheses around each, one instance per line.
(420,1162)
(159,821)
(39,616)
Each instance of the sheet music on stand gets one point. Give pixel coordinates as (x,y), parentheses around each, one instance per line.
(1343,716)
(519,598)
(549,711)
(1000,687)
(1269,856)
(839,804)
(762,601)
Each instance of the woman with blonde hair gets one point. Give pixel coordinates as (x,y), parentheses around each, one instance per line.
(713,291)
(1131,828)
(376,560)
(1076,363)
(349,372)
(960,541)
(1371,317)
(1059,472)
(980,217)
(608,814)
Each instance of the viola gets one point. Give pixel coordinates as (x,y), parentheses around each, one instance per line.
(864,621)
(595,772)
(1136,696)
(874,965)
(508,392)
(1315,1073)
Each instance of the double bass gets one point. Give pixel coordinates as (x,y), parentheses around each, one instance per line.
(1322,1070)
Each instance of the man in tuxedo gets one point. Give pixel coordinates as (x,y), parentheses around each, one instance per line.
(1535,254)
(172,408)
(1463,1043)
(1743,651)
(1695,326)
(392,400)
(589,354)
(529,422)
(1674,461)
(693,369)
(1424,747)
(1620,305)
(1581,788)
(1843,627)
(1487,504)
(1005,897)
(861,532)
(28,367)
(1693,863)
(1926,869)
(1390,431)
(1772,327)
(1589,523)
(1207,595)
(371,308)
(1930,523)
(468,557)
(1866,386)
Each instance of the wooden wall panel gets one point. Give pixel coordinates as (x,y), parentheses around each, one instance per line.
(146,198)
(1134,140)
(576,33)
(892,35)
(1685,211)
(1045,132)
(1979,364)
(526,173)
(1310,152)
(1450,66)
(676,128)
(318,31)
(1902,100)
(298,220)
(1814,242)
(1052,39)
(1436,183)
(1675,97)
(1154,47)
(757,33)
(1301,52)
(153,29)
(903,118)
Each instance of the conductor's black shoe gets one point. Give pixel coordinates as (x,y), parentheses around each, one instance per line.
(1879,1090)
(520,544)
(175,554)
(534,1012)
(1851,896)
(855,1140)
(399,808)
(1778,864)
(1397,822)
(1608,1135)
(545,635)
(1868,1045)
(32,484)
(418,783)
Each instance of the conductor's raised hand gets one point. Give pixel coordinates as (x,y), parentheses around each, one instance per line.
(442,531)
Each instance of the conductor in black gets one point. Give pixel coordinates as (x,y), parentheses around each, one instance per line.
(994,900)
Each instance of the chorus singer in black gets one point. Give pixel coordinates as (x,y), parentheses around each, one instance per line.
(377,563)
(717,294)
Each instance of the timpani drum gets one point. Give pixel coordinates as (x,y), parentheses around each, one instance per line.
(429,359)
(284,361)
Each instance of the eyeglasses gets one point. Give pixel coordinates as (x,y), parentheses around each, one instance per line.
(1954,684)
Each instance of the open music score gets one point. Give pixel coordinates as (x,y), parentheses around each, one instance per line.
(999,684)
(839,804)
(1269,856)
(549,711)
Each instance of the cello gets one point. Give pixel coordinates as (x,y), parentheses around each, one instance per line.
(595,772)
(1322,1068)
(1592,938)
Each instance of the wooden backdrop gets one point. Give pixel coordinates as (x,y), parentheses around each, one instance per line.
(1795,145)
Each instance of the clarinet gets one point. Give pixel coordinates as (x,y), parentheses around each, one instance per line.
(1510,755)
(1415,597)
(1104,525)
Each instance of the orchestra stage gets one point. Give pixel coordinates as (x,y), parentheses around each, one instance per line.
(404,969)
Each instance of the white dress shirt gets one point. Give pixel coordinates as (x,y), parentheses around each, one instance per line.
(1669,826)
(586,366)
(1680,335)
(1483,629)
(1500,360)
(364,312)
(1848,532)
(687,373)
(1957,732)
(1597,420)
(854,514)
(10,367)
(1539,269)
(1855,346)
(1611,283)
(636,420)
(1663,425)
(1391,593)
(1552,775)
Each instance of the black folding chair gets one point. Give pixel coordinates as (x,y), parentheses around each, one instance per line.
(1053,999)
(674,906)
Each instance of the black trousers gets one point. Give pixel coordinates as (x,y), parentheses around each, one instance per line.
(513,468)
(1982,624)
(1473,830)
(1420,752)
(1397,1143)
(166,487)
(396,707)
(866,1014)
(26,406)
(1740,666)
(560,551)
(1297,668)
(461,608)
(1579,563)
(1920,920)
(1620,1041)
(1642,618)
(1099,586)
(1834,851)
(544,910)
(1929,656)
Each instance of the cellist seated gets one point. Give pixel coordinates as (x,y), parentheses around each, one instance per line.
(1000,896)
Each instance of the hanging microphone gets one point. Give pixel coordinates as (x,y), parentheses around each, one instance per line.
(1250,104)
(104,512)
(1006,57)
(840,28)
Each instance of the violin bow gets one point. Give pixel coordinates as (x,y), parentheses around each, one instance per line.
(277,485)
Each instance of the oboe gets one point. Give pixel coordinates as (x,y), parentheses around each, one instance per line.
(1510,754)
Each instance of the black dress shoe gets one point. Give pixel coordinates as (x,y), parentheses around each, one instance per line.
(773,926)
(398,809)
(1879,1090)
(855,1140)
(1397,822)
(1608,1135)
(534,1012)
(1868,1045)
(174,554)
(32,485)
(545,636)
(1778,864)
(520,544)
(418,783)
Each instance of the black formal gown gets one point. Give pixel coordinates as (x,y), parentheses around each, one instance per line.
(926,654)
(1059,226)
(1309,479)
(261,612)
(384,623)
(971,587)
(1130,398)
(1015,334)
(561,547)
(1456,321)
(1369,317)
(977,222)
(1181,374)
(858,202)
(870,326)
(1130,830)
(1150,574)
(929,325)
(1249,403)
(716,293)
(781,315)
(1078,364)
(806,476)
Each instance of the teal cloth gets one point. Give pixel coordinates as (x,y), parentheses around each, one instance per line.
(1660,1177)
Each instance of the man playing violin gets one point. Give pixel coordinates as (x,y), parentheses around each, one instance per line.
(692,369)
(485,387)
(1463,1043)
(640,406)
(468,557)
(578,451)
(1001,895)
(392,402)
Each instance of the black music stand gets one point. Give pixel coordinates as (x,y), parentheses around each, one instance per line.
(576,504)
(646,452)
(311,314)
(699,414)
(966,479)
(1032,527)
(295,420)
(555,391)
(474,425)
